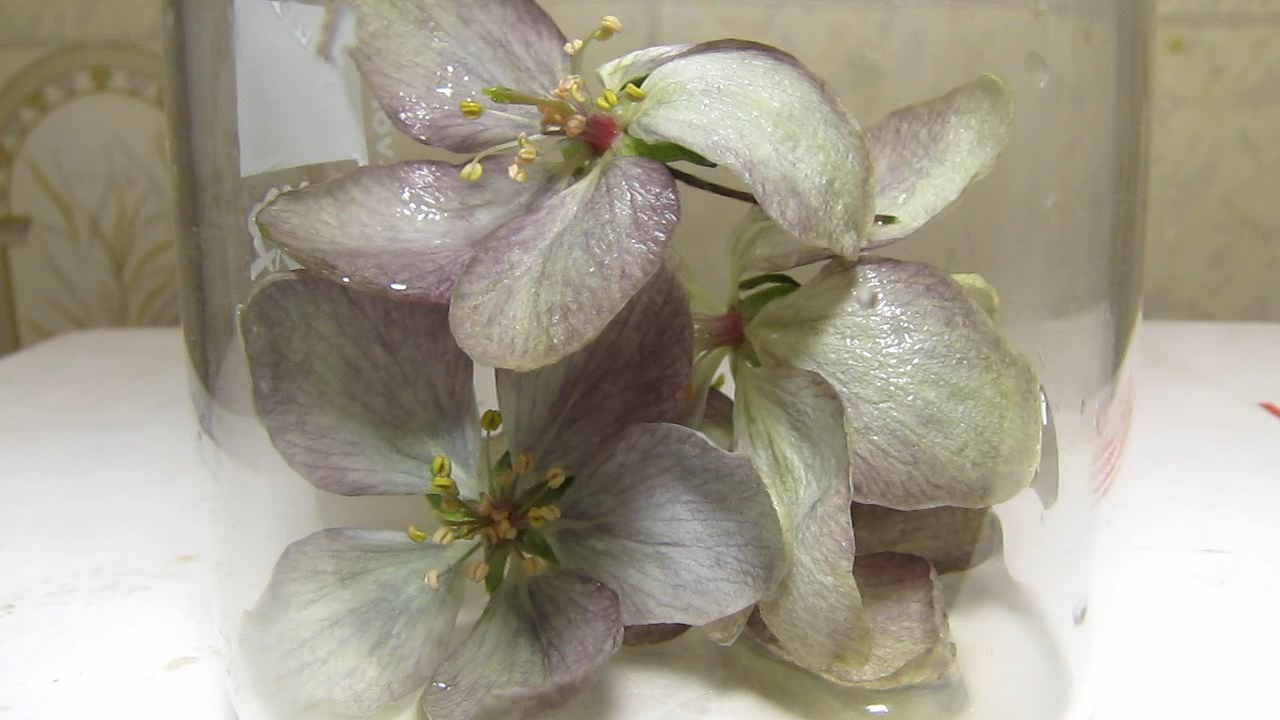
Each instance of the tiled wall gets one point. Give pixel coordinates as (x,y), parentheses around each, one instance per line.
(83,190)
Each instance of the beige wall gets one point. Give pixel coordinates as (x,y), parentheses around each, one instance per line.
(1213,249)
(83,191)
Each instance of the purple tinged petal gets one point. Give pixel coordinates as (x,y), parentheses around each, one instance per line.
(682,530)
(406,229)
(358,392)
(348,624)
(926,155)
(539,643)
(952,539)
(551,280)
(637,371)
(909,630)
(759,112)
(422,58)
(940,409)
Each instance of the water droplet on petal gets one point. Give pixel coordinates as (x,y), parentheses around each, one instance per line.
(398,286)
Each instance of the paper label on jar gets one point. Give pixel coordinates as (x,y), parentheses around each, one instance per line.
(297,91)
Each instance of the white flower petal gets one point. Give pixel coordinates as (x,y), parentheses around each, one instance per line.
(761,246)
(348,624)
(926,155)
(682,530)
(939,408)
(423,57)
(637,65)
(759,112)
(359,392)
(552,279)
(788,422)
(538,644)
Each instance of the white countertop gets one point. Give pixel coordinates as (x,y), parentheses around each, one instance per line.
(105,555)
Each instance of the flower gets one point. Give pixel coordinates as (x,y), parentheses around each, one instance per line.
(566,207)
(882,383)
(598,516)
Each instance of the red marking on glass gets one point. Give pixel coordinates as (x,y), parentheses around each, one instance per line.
(1271,408)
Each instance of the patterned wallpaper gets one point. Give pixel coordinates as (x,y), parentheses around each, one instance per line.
(84,183)
(85,235)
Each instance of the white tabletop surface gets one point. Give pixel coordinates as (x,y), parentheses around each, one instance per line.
(105,557)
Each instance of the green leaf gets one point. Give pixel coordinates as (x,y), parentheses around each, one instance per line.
(752,283)
(663,152)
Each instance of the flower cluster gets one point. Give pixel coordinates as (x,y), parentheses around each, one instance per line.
(878,413)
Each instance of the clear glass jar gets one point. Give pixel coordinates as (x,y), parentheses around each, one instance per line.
(257,110)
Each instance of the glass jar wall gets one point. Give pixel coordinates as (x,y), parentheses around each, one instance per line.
(264,100)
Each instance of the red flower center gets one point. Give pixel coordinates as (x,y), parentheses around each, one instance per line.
(601,131)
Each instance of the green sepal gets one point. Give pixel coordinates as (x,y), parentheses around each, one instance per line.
(663,152)
(540,493)
(535,543)
(886,220)
(497,561)
(448,516)
(752,283)
(503,464)
(755,302)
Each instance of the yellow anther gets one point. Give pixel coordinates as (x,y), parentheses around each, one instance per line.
(500,514)
(440,482)
(611,97)
(441,466)
(547,513)
(489,536)
(578,90)
(490,421)
(527,155)
(444,536)
(432,579)
(555,478)
(524,463)
(517,173)
(479,570)
(510,533)
(634,92)
(533,565)
(416,535)
(471,172)
(466,532)
(573,47)
(603,104)
(486,504)
(609,26)
(471,109)
(575,126)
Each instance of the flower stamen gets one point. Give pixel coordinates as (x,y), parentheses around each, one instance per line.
(491,421)
(609,26)
(471,109)
(479,570)
(415,534)
(432,579)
